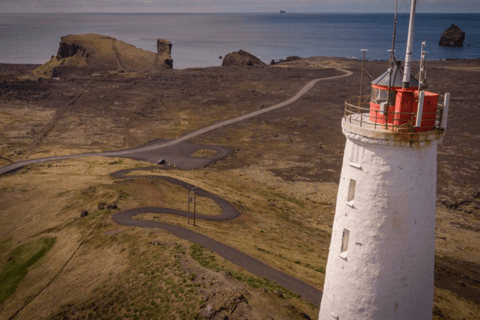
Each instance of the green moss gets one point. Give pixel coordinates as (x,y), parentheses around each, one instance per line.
(20,259)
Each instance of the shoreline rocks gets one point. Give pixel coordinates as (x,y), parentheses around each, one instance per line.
(242,58)
(452,37)
(287,59)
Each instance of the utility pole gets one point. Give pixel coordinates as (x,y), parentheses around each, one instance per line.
(191,197)
(361,77)
(188,205)
(194,204)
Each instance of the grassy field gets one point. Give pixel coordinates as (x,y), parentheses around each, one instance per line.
(101,260)
(282,178)
(118,272)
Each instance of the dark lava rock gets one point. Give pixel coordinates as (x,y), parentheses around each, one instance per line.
(242,59)
(452,37)
(305,316)
(109,206)
(287,59)
(84,213)
(66,50)
(112,206)
(156,242)
(292,58)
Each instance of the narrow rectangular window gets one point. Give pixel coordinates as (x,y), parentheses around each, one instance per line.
(351,190)
(345,237)
(356,156)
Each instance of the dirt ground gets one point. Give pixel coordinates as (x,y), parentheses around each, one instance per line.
(297,149)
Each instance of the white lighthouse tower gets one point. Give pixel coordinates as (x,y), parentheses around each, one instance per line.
(382,252)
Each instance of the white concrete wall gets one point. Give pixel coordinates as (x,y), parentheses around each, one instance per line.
(388,270)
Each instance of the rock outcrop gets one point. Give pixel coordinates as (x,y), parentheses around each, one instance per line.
(287,59)
(241,59)
(452,37)
(96,53)
(164,47)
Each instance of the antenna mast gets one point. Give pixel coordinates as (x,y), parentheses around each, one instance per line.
(408,55)
(392,64)
(392,52)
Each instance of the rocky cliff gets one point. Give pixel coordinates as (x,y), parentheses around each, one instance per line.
(97,52)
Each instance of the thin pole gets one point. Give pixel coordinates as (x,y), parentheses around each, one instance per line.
(408,55)
(194,205)
(188,205)
(392,66)
(361,77)
(392,53)
(421,78)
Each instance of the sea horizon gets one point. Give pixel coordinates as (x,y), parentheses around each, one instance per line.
(200,39)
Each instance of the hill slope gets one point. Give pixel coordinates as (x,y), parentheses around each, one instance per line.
(101,53)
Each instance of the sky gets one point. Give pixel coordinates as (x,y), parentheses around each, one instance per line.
(200,6)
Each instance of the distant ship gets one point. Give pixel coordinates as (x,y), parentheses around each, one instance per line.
(283,11)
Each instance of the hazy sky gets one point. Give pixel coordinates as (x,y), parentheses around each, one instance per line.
(447,6)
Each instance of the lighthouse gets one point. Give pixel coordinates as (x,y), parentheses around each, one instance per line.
(382,252)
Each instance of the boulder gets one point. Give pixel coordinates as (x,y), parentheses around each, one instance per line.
(452,37)
(241,59)
(93,53)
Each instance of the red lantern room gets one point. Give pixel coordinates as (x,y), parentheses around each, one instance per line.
(397,107)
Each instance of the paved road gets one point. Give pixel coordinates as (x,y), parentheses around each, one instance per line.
(149,151)
(229,212)
(161,144)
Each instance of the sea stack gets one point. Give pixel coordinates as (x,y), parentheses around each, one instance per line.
(164,46)
(452,37)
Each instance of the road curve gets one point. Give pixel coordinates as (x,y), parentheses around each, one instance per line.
(163,144)
(250,264)
(254,266)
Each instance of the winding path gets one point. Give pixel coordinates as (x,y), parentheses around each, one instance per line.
(229,212)
(165,143)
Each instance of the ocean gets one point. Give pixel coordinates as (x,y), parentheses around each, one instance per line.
(200,39)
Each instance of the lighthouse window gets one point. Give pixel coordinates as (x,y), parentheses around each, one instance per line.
(356,156)
(346,236)
(351,190)
(379,96)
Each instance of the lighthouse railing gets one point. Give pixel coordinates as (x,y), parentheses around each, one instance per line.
(359,113)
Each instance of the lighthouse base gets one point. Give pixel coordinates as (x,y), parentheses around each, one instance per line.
(382,253)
